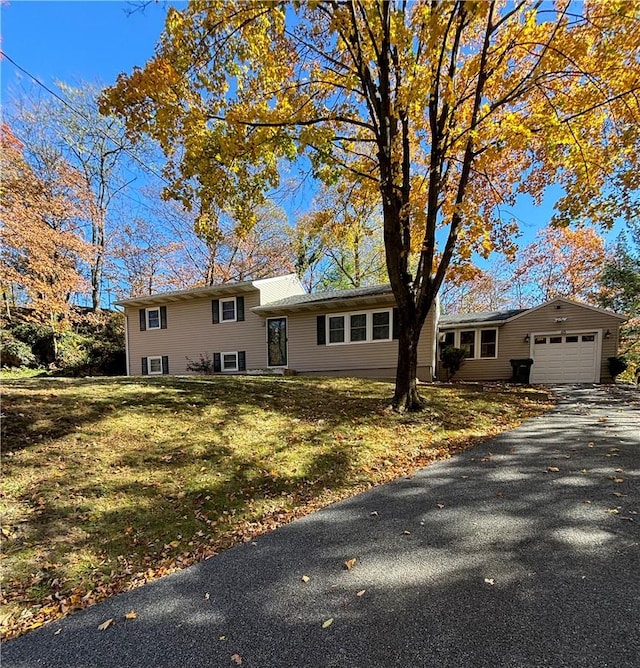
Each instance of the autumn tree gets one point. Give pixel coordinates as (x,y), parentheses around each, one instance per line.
(479,290)
(42,248)
(97,147)
(562,262)
(346,222)
(446,109)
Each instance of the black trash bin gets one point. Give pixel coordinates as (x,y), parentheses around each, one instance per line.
(521,370)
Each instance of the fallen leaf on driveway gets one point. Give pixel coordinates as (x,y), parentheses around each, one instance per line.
(349,564)
(105,625)
(374,513)
(132,614)
(327,623)
(305,578)
(406,533)
(619,494)
(553,469)
(618,480)
(361,592)
(237,659)
(489,581)
(613,511)
(440,506)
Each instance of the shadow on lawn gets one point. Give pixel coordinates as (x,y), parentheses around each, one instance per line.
(489,559)
(44,410)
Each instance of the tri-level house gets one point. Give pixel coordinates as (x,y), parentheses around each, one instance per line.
(273,325)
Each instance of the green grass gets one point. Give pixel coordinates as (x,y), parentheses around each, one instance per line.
(108,483)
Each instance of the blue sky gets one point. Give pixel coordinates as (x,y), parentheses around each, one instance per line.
(73,41)
(86,40)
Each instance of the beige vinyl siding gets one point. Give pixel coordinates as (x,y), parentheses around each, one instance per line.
(372,359)
(511,335)
(190,333)
(273,289)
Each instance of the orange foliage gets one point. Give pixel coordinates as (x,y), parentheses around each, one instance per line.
(42,248)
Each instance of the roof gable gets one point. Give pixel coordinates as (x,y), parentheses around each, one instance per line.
(572,302)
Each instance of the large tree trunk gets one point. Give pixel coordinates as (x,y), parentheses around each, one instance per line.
(407,397)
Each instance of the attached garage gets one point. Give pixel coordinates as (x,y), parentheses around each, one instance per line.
(565,358)
(569,342)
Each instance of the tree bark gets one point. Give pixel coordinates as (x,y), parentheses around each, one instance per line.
(407,397)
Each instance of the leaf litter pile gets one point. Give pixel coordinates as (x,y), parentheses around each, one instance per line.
(111,483)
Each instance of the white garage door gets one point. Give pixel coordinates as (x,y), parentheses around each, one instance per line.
(567,358)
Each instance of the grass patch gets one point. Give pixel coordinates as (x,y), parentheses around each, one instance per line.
(109,483)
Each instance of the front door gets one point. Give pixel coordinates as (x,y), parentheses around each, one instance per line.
(277,341)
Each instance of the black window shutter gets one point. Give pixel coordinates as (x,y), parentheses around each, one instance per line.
(163,317)
(165,364)
(321,330)
(396,327)
(217,362)
(145,367)
(215,311)
(143,319)
(239,309)
(242,360)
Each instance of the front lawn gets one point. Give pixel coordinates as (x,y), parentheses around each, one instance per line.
(109,483)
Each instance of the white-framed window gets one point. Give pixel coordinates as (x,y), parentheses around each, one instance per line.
(335,325)
(154,366)
(488,343)
(381,323)
(153,318)
(468,342)
(229,361)
(228,312)
(477,343)
(359,327)
(446,339)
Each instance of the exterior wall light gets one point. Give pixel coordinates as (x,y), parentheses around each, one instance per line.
(527,337)
(607,334)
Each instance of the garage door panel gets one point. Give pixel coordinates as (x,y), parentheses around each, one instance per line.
(567,358)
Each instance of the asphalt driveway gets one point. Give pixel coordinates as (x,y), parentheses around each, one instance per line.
(524,551)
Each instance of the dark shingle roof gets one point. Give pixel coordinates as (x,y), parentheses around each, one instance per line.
(328,296)
(481,317)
